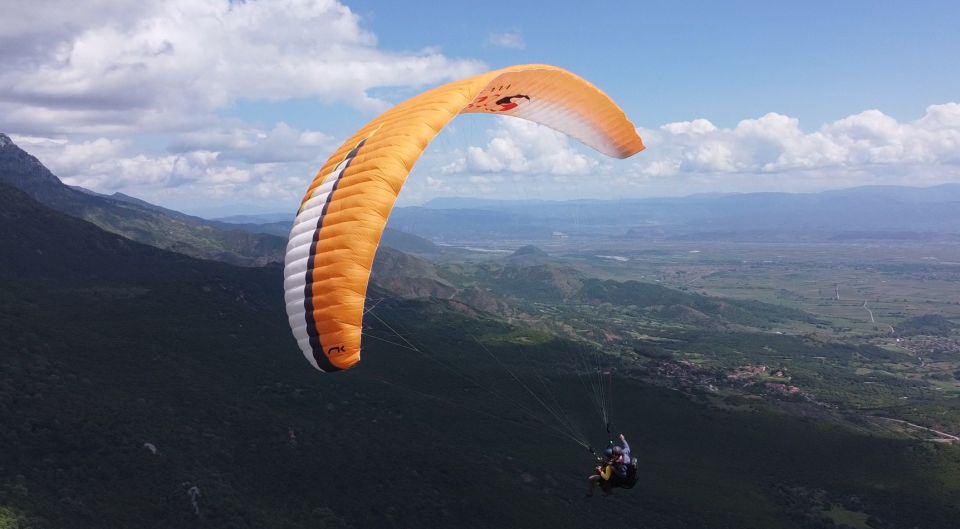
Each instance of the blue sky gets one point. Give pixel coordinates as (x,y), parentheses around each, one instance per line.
(208,106)
(724,61)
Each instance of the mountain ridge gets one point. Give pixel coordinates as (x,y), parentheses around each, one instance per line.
(114,349)
(136,219)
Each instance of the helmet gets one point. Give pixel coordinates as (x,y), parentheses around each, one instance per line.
(608,452)
(617,450)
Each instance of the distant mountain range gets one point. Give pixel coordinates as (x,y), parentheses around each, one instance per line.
(895,212)
(860,213)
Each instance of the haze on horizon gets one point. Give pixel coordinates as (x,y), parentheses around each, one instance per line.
(203,106)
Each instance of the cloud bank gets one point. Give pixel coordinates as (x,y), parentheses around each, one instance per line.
(521,159)
(771,152)
(141,97)
(167,66)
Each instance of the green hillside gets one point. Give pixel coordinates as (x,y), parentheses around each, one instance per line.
(107,344)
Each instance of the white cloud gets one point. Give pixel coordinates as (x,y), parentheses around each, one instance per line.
(130,96)
(697,126)
(523,147)
(143,172)
(869,147)
(196,180)
(65,158)
(168,65)
(252,145)
(507,39)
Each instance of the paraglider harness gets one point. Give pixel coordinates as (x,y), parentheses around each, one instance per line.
(626,481)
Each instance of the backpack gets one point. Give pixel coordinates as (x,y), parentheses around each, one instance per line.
(631,479)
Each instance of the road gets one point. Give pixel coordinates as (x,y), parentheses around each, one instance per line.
(869,311)
(945,435)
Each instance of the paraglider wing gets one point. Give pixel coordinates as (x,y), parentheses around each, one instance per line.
(342,216)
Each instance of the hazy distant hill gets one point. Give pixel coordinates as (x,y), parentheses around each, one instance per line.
(406,276)
(470,224)
(875,209)
(279,224)
(136,219)
(265,218)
